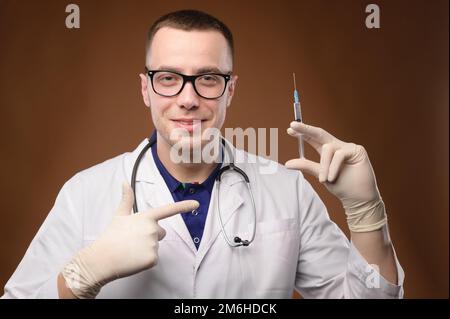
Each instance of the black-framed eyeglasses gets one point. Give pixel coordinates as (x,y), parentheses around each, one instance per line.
(208,85)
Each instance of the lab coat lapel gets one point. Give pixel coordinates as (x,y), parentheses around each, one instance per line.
(158,195)
(155,192)
(230,202)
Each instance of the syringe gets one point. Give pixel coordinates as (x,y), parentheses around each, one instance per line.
(298,118)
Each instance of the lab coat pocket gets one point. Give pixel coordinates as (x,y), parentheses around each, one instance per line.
(270,262)
(269,227)
(280,238)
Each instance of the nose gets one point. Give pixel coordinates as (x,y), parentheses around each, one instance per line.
(188,98)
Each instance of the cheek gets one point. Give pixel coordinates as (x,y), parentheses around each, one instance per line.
(219,111)
(158,103)
(158,109)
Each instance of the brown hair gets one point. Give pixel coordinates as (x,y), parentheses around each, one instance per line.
(189,20)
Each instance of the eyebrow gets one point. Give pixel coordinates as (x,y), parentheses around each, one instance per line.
(207,69)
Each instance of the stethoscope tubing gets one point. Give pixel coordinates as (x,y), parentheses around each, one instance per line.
(237,241)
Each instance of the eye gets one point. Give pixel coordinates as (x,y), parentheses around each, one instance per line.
(166,78)
(209,79)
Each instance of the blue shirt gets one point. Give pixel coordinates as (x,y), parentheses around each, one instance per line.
(201,192)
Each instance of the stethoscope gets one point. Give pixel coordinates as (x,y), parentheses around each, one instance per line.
(237,241)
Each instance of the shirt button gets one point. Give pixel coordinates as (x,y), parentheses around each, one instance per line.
(196,240)
(195,212)
(191,190)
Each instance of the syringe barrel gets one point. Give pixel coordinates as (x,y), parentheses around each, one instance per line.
(297,112)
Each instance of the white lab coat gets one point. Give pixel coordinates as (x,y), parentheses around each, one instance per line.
(296,246)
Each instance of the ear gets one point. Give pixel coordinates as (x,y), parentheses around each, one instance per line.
(231,89)
(144,89)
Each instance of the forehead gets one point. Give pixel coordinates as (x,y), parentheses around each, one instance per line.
(189,50)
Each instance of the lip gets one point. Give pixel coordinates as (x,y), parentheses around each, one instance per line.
(187,119)
(187,123)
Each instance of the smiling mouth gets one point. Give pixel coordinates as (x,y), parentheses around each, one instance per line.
(187,124)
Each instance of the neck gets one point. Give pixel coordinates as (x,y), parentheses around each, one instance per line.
(183,172)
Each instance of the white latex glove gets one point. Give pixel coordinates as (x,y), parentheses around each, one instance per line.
(128,245)
(346,172)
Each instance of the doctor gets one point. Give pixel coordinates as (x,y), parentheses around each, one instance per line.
(92,245)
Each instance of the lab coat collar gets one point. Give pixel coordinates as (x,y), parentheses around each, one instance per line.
(148,172)
(144,173)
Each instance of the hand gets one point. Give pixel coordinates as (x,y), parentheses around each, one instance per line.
(346,172)
(128,245)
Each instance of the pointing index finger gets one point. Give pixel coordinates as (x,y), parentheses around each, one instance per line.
(173,209)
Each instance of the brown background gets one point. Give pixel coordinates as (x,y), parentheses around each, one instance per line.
(70,99)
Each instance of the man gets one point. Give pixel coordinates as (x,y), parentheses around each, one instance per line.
(92,245)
